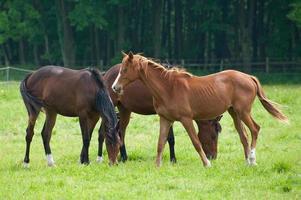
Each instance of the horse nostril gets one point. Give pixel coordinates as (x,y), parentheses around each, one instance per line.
(115,89)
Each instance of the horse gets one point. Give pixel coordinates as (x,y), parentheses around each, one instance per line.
(137,98)
(72,93)
(181,96)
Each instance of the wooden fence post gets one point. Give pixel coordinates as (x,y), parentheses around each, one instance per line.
(267,65)
(7,74)
(182,62)
(221,67)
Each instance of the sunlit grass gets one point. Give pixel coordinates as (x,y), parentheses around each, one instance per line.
(277,176)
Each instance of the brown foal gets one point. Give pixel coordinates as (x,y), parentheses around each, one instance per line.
(180,96)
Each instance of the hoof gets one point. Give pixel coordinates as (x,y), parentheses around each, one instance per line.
(251,162)
(50,161)
(99,159)
(25,165)
(173,160)
(51,164)
(208,165)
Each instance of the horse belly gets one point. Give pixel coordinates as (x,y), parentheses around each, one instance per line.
(209,110)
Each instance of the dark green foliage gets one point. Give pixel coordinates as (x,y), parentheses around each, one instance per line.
(93,32)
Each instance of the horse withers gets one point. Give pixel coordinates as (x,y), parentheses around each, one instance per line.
(180,96)
(72,93)
(138,99)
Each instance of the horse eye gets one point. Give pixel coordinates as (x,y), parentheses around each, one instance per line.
(124,70)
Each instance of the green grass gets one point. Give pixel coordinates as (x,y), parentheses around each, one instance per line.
(277,176)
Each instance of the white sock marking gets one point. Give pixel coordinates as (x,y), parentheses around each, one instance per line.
(99,159)
(50,160)
(252,157)
(25,165)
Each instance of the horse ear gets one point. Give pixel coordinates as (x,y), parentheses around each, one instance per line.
(124,54)
(131,55)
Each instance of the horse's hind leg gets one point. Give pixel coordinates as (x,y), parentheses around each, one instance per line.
(87,125)
(241,131)
(29,134)
(254,129)
(188,125)
(171,142)
(46,135)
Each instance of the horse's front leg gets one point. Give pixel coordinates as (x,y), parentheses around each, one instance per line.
(101,138)
(164,128)
(124,121)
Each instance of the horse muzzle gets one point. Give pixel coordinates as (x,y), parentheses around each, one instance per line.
(117,89)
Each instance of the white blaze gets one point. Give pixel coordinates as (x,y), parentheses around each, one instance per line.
(116,80)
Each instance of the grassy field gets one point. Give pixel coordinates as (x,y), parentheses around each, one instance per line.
(277,176)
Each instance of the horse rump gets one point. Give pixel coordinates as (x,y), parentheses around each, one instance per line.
(33,104)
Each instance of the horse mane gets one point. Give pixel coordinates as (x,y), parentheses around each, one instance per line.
(169,72)
(96,74)
(105,106)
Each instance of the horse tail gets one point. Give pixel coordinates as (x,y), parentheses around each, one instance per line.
(270,106)
(105,107)
(32,104)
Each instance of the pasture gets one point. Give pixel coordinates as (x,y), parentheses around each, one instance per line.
(277,176)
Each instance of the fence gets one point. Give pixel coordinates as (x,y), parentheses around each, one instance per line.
(267,66)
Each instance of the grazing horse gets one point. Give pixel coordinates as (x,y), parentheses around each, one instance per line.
(137,98)
(180,96)
(72,93)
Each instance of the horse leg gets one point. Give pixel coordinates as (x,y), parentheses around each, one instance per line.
(241,131)
(164,127)
(46,135)
(171,142)
(101,138)
(124,121)
(84,156)
(188,125)
(29,134)
(254,129)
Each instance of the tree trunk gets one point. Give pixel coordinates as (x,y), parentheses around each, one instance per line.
(157,12)
(46,44)
(6,59)
(168,21)
(35,55)
(120,29)
(245,41)
(178,29)
(65,34)
(97,48)
(261,30)
(21,52)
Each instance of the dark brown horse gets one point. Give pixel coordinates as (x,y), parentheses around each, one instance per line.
(72,93)
(137,98)
(180,96)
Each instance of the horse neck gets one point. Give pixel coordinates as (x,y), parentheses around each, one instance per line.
(155,81)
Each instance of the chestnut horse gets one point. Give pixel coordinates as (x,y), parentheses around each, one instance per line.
(180,96)
(72,93)
(137,98)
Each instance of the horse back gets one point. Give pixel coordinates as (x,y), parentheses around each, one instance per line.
(64,90)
